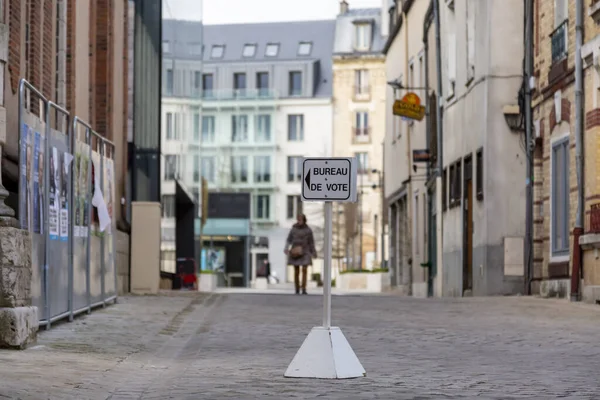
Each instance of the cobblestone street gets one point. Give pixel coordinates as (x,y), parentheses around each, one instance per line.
(238,346)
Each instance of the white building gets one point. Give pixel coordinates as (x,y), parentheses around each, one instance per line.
(242,104)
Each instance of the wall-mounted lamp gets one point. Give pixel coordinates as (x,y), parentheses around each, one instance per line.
(514,118)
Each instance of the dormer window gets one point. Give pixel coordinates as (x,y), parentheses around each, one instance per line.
(304,48)
(363,36)
(249,50)
(272,50)
(217,51)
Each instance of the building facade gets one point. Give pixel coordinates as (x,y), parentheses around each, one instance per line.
(405,182)
(242,104)
(359,87)
(484,160)
(558,243)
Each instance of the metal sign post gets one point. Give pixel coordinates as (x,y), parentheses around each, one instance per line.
(325,353)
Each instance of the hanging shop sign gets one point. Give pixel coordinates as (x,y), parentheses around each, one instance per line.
(421,156)
(409,107)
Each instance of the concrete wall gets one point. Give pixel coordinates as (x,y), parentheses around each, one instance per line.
(495,83)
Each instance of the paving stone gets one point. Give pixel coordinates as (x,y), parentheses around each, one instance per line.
(237,346)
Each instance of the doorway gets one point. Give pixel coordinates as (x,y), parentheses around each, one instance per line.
(468,227)
(432,242)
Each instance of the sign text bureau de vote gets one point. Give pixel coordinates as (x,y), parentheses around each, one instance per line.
(329,179)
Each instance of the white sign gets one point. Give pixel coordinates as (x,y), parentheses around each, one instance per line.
(329,179)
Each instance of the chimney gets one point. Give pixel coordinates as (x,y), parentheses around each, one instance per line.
(343,7)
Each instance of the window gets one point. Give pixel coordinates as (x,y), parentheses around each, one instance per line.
(166,48)
(239,83)
(361,132)
(451,63)
(208,129)
(217,51)
(295,83)
(295,169)
(169,124)
(272,50)
(168,206)
(560,197)
(262,169)
(262,206)
(361,81)
(294,206)
(196,168)
(197,80)
(195,49)
(363,162)
(560,34)
(452,182)
(262,83)
(249,50)
(457,183)
(239,128)
(169,81)
(295,128)
(470,7)
(479,174)
(207,168)
(196,123)
(239,169)
(445,190)
(263,128)
(171,167)
(207,85)
(304,48)
(363,37)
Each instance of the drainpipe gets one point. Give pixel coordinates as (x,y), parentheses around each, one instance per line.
(528,254)
(440,146)
(578,231)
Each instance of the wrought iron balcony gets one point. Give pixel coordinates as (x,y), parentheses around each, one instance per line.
(559,41)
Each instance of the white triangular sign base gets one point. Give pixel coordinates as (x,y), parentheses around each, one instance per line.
(325,354)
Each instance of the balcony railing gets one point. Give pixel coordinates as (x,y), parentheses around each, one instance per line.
(361,135)
(559,42)
(362,93)
(234,94)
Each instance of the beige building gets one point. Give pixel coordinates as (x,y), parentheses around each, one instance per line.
(405,189)
(359,84)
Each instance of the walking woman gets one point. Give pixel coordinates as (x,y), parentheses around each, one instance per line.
(300,249)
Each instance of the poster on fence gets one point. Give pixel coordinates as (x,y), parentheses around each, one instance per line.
(54,185)
(38,183)
(65,163)
(26,170)
(109,189)
(81,181)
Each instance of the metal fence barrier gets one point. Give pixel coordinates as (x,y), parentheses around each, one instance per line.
(66,192)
